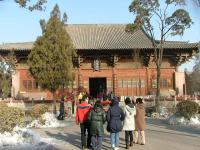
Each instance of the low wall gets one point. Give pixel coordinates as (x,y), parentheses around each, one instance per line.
(166,103)
(28,104)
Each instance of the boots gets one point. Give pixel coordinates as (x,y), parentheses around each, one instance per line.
(127,146)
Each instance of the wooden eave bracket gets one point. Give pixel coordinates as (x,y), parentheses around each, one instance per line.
(77,61)
(113,60)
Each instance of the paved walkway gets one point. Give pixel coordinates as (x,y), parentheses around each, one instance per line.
(159,136)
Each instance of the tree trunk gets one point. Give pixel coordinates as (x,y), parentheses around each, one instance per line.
(54,103)
(62,111)
(158,90)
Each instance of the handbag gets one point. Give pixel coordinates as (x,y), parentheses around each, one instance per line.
(108,127)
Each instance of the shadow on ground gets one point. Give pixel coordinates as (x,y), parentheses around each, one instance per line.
(72,138)
(182,130)
(39,146)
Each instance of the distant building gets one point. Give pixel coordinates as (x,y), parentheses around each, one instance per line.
(109,59)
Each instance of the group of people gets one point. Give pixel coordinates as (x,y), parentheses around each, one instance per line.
(130,119)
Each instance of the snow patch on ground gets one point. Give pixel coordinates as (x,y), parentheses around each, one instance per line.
(19,136)
(177,120)
(195,121)
(26,139)
(50,122)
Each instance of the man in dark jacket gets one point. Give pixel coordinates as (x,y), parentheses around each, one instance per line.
(62,109)
(97,118)
(115,116)
(83,110)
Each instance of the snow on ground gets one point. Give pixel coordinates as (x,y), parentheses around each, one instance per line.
(177,120)
(50,122)
(19,136)
(26,139)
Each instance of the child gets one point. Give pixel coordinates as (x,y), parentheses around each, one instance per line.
(129,122)
(97,118)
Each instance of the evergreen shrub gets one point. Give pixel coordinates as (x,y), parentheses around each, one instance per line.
(187,109)
(199,110)
(10,117)
(38,110)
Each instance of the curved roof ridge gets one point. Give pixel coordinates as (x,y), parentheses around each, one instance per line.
(105,37)
(101,24)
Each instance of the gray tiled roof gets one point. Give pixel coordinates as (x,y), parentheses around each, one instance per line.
(105,37)
(180,45)
(17,46)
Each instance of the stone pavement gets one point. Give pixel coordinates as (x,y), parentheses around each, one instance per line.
(159,136)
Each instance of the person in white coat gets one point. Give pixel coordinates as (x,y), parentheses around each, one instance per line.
(129,122)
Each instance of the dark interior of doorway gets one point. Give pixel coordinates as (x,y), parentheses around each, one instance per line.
(97,87)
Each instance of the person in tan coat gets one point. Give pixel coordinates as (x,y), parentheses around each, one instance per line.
(140,121)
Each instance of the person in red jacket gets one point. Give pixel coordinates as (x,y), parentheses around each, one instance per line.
(82,113)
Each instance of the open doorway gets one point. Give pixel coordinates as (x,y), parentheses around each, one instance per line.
(97,87)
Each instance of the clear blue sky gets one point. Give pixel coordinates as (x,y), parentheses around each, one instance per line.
(21,25)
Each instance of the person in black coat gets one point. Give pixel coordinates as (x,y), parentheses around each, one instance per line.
(115,116)
(62,111)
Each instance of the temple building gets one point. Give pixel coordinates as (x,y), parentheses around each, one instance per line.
(109,60)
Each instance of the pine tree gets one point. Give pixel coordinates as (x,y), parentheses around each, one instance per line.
(50,60)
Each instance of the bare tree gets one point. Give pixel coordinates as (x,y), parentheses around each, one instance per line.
(150,15)
(197,2)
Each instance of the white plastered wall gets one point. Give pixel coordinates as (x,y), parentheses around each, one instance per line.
(180,82)
(15,83)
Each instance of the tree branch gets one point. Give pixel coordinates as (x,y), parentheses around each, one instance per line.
(170,28)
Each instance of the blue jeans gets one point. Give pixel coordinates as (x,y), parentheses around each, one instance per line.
(114,138)
(96,142)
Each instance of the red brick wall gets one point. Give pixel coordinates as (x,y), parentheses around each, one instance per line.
(125,75)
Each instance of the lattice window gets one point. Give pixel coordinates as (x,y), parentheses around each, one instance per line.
(120,83)
(129,83)
(163,83)
(27,84)
(35,85)
(124,83)
(134,83)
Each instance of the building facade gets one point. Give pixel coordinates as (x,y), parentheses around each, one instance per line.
(109,60)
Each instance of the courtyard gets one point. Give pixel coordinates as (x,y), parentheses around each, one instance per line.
(159,135)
